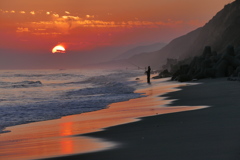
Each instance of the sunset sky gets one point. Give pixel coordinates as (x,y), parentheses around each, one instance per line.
(93,28)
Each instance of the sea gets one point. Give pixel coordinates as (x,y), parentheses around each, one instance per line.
(37,95)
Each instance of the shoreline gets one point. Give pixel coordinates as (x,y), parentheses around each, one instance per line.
(74,88)
(29,140)
(210,134)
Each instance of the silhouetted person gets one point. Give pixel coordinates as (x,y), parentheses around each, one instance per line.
(148,74)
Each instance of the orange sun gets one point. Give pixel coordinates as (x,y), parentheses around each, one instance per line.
(58,49)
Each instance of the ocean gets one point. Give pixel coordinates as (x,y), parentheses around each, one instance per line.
(37,95)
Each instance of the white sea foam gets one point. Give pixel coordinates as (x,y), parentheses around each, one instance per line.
(31,96)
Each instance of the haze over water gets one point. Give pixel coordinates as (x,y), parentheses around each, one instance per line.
(30,96)
(91,31)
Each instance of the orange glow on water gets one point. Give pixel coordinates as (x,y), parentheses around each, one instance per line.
(58,137)
(66,129)
(67,146)
(66,143)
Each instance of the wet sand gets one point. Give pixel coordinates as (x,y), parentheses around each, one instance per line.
(68,136)
(211,133)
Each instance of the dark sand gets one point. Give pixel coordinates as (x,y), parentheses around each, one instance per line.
(207,134)
(57,138)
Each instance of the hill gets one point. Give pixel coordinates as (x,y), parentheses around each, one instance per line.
(139,50)
(222,30)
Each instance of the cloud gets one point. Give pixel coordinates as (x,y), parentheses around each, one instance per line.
(67,21)
(43,29)
(32,12)
(67,12)
(21,29)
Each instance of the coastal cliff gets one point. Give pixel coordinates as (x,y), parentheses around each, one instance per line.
(222,30)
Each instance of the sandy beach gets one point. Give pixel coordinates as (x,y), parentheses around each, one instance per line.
(212,133)
(75,80)
(55,138)
(120,131)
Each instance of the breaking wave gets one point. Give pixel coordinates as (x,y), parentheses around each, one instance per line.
(53,95)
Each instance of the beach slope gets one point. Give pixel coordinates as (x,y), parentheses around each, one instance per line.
(212,133)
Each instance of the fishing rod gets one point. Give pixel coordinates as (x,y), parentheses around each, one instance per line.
(136,65)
